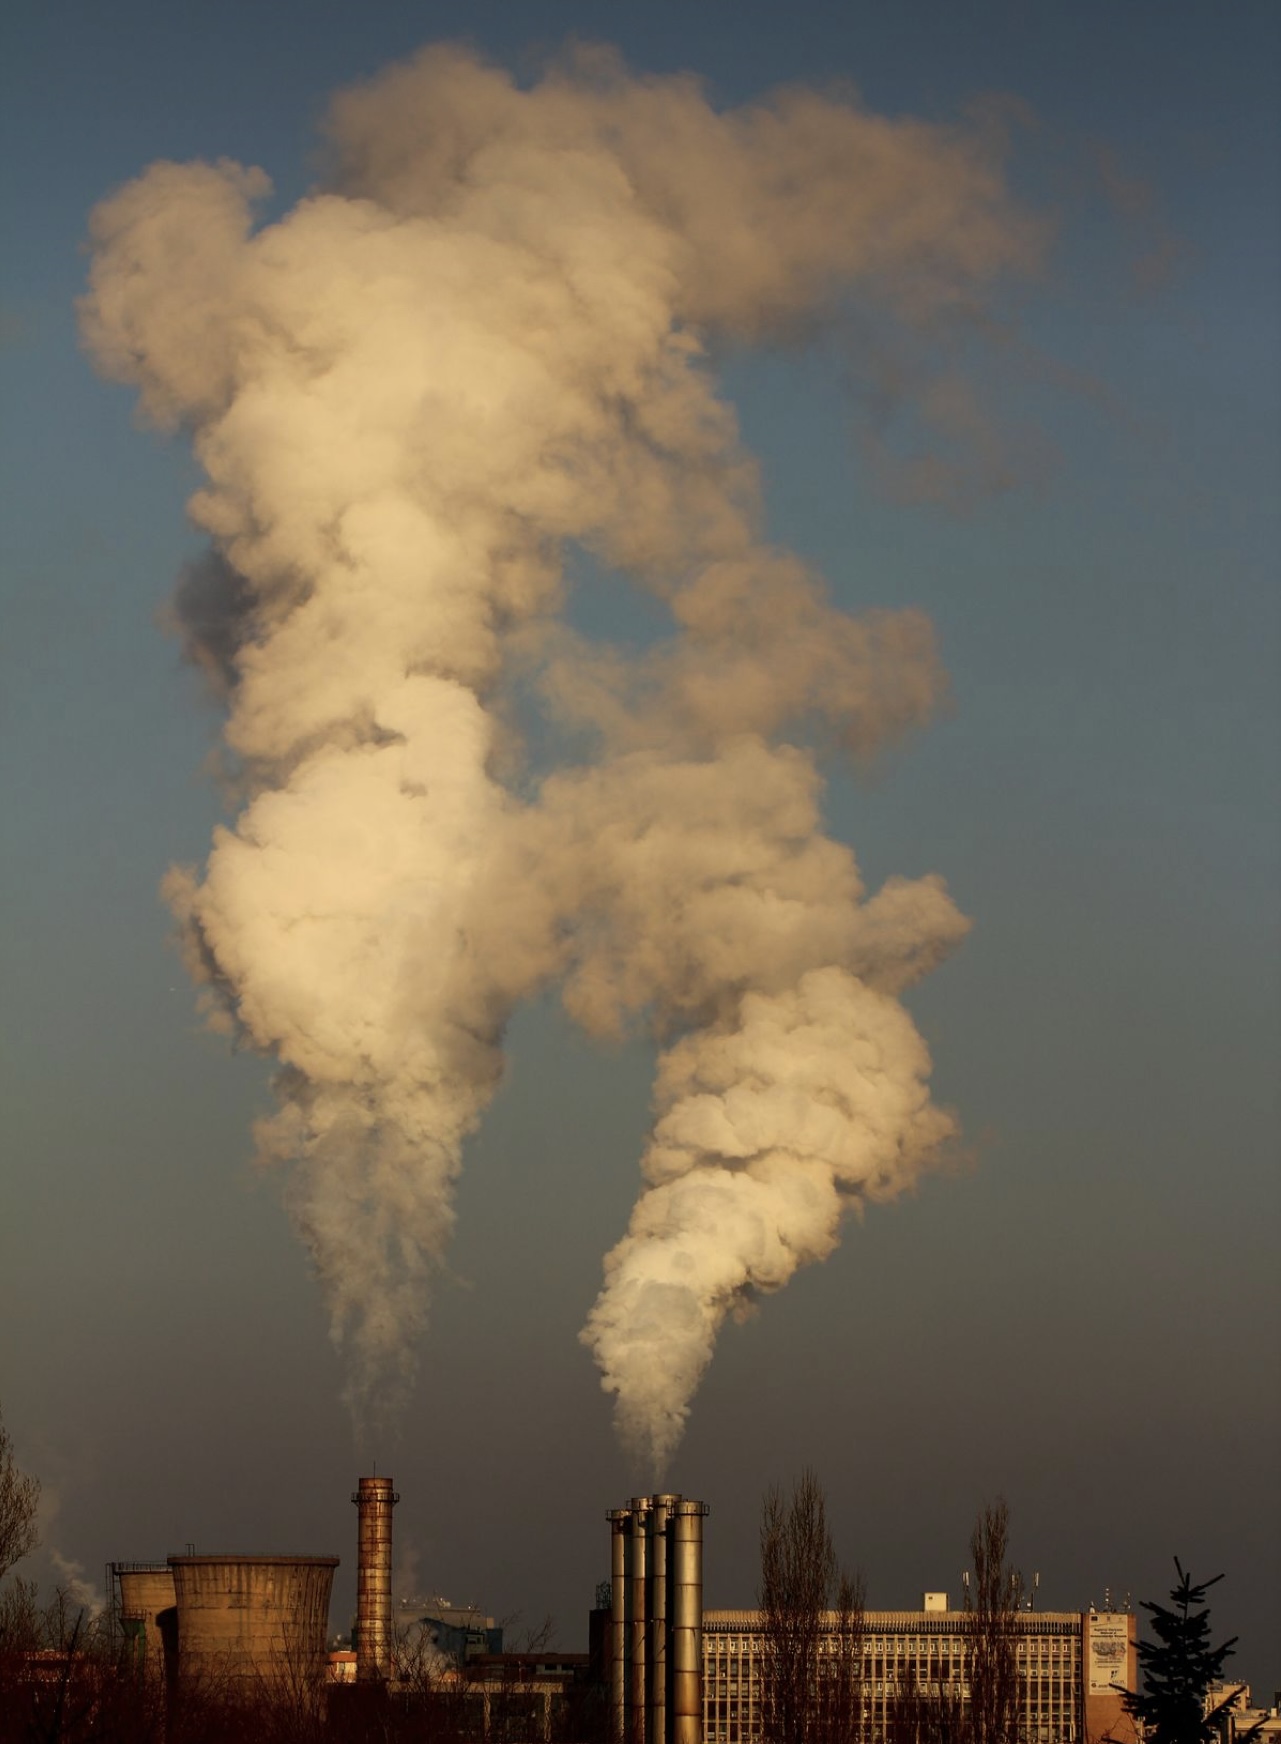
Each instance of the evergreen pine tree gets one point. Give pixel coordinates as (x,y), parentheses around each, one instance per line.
(1179,1668)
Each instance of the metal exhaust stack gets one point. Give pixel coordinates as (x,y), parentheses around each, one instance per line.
(657,1576)
(686,1707)
(620,1521)
(638,1619)
(374,1499)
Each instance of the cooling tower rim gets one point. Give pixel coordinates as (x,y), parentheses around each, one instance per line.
(279,1559)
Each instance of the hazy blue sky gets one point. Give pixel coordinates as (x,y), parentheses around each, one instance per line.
(1086,1319)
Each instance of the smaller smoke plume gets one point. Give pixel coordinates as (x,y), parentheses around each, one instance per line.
(771,1126)
(481,345)
(72,1581)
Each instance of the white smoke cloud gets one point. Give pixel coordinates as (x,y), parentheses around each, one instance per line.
(72,1580)
(485,340)
(771,1125)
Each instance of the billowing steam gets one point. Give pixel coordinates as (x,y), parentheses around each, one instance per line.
(481,345)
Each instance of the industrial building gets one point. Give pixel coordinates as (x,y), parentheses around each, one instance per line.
(1072,1665)
(1242,1719)
(458,1633)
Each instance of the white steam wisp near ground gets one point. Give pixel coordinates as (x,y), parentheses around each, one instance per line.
(481,343)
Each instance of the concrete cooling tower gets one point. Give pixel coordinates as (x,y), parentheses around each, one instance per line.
(148,1619)
(252,1621)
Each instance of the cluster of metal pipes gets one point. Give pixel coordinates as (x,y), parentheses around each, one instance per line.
(656,1580)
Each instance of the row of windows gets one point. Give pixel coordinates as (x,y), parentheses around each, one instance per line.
(904,1670)
(1028,1625)
(731,1730)
(1065,1649)
(725,1698)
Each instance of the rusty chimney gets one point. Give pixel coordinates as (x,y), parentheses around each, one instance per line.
(374,1499)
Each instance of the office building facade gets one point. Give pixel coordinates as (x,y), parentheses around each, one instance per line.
(1073,1668)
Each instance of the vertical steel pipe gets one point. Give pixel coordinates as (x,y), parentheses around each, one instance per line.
(637,1622)
(619,1658)
(657,1574)
(374,1499)
(686,1715)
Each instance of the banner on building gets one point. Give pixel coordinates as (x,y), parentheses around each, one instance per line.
(1107,1664)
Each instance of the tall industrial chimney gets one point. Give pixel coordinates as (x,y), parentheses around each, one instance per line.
(656,1608)
(620,1596)
(656,1681)
(638,1619)
(685,1612)
(374,1501)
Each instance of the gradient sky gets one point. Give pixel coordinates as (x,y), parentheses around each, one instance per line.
(1086,1320)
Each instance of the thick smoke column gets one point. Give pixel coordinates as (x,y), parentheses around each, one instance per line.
(481,342)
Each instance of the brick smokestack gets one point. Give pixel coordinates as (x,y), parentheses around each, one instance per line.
(374,1499)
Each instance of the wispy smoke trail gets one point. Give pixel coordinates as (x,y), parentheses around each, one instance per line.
(481,343)
(72,1581)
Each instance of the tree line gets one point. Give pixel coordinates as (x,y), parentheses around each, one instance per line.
(814,1662)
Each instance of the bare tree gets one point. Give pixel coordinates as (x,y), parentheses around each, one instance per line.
(924,1712)
(19,1498)
(840,1718)
(993,1602)
(812,1622)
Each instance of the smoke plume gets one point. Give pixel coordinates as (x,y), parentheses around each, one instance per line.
(73,1582)
(480,346)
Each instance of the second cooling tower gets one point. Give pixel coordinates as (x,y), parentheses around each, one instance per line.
(656,1666)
